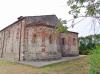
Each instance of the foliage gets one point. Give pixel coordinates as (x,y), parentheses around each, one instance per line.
(60,28)
(95,61)
(97,38)
(92,7)
(86,44)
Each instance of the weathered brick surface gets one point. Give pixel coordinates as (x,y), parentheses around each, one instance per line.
(70,46)
(36,40)
(9,45)
(41,48)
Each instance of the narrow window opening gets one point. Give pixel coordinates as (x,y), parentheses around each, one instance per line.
(50,39)
(17,34)
(43,39)
(9,33)
(74,41)
(43,49)
(63,41)
(34,38)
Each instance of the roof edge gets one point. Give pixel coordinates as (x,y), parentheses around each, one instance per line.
(73,32)
(19,19)
(23,17)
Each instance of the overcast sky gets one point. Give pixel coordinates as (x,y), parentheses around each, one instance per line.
(12,9)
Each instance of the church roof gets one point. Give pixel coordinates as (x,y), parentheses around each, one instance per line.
(50,20)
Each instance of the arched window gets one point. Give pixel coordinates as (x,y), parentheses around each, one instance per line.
(17,33)
(43,39)
(63,41)
(9,33)
(43,49)
(50,39)
(34,38)
(74,41)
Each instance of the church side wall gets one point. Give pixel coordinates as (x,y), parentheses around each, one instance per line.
(69,44)
(10,42)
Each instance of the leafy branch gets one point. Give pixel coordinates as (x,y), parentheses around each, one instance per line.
(60,27)
(92,7)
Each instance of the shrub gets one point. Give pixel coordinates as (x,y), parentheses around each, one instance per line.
(86,45)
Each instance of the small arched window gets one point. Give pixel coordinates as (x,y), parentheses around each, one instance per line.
(74,41)
(43,36)
(43,49)
(17,33)
(9,33)
(63,41)
(50,39)
(43,39)
(34,38)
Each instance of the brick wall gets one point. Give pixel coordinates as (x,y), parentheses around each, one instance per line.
(12,41)
(41,43)
(25,40)
(69,44)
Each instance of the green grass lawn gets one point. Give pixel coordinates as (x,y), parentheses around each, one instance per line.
(95,61)
(79,66)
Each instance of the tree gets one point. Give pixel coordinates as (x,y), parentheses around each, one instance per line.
(60,27)
(86,44)
(92,8)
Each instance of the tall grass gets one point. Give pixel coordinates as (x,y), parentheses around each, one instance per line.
(95,61)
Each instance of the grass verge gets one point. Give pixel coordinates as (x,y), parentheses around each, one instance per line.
(78,66)
(95,61)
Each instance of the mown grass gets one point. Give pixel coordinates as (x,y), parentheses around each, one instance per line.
(79,66)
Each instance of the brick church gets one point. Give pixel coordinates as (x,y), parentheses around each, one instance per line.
(35,38)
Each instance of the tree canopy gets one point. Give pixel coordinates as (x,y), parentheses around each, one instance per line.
(91,8)
(60,27)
